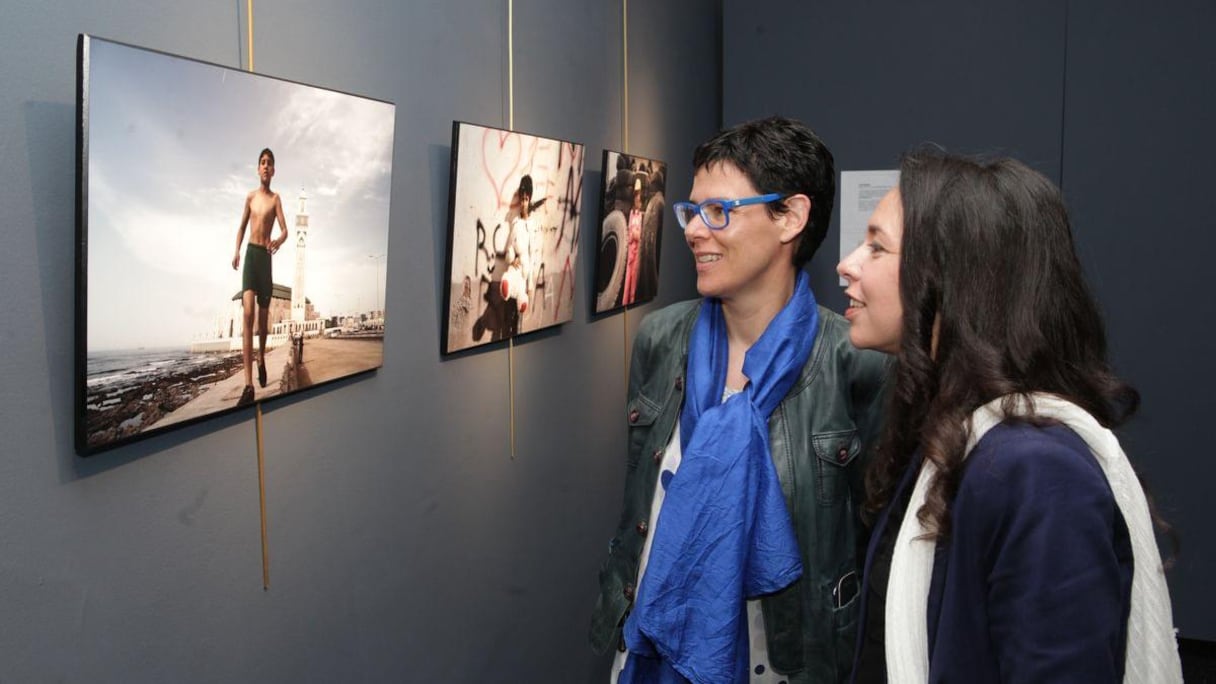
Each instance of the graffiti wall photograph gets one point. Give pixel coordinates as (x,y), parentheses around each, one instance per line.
(232,239)
(513,234)
(631,231)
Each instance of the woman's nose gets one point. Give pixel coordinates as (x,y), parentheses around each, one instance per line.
(847,268)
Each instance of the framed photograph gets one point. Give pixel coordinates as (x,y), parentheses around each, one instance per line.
(232,239)
(631,231)
(512,236)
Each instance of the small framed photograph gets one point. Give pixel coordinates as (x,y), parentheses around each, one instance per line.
(513,234)
(631,231)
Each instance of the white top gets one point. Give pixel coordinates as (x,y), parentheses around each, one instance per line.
(523,242)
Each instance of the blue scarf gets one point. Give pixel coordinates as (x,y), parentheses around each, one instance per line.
(726,534)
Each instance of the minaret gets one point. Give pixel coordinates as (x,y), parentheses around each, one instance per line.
(298,309)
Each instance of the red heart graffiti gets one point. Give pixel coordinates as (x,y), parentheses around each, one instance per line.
(494,148)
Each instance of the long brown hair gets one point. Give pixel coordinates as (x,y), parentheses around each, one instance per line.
(987,258)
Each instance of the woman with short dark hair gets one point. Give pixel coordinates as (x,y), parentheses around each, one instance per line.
(736,554)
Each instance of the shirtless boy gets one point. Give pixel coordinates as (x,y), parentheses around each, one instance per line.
(262,207)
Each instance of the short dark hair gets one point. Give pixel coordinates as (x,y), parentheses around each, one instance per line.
(987,257)
(784,156)
(266,153)
(525,186)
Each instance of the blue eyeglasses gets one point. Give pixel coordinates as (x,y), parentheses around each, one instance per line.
(715,213)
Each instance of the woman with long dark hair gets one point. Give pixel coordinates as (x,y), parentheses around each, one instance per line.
(1013,540)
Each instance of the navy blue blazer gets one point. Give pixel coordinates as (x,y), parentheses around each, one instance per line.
(1034,582)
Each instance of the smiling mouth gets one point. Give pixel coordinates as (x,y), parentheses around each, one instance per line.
(854,304)
(708,258)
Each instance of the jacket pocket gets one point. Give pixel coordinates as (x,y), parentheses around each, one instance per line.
(611,606)
(640,415)
(834,453)
(641,412)
(816,645)
(846,608)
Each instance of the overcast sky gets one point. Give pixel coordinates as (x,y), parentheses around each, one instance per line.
(172,151)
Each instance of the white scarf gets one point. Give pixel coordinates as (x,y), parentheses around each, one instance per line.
(1152,651)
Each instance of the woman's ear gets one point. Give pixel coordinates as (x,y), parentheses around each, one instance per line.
(794,220)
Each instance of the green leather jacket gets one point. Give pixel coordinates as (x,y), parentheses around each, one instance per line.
(817,435)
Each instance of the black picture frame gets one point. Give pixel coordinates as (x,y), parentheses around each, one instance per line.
(507,273)
(629,245)
(168,150)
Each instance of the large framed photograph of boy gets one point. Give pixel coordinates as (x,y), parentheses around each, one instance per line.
(631,231)
(512,235)
(232,239)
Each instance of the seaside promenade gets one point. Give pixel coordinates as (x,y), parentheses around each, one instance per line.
(225,393)
(329,359)
(324,359)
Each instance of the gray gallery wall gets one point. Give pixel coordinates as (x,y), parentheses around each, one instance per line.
(1113,101)
(405,542)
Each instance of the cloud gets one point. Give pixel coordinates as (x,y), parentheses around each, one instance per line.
(345,142)
(195,240)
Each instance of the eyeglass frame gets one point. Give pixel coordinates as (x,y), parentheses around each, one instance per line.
(727,207)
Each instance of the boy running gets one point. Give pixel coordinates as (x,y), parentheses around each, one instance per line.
(262,207)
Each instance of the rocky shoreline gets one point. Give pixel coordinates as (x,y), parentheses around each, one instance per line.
(120,409)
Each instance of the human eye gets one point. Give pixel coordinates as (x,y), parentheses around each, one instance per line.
(714,211)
